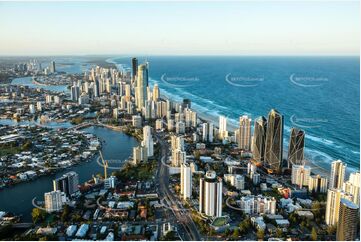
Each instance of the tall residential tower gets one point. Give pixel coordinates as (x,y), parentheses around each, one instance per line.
(244,142)
(296,147)
(210,195)
(348,221)
(337,177)
(141,88)
(259,139)
(274,141)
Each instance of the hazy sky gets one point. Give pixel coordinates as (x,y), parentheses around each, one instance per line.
(196,28)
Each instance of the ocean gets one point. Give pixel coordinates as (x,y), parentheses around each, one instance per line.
(320,95)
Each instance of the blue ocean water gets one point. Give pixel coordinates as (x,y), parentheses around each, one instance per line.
(317,94)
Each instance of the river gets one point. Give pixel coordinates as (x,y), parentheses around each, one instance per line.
(18,199)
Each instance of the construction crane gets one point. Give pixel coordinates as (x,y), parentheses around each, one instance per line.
(105,165)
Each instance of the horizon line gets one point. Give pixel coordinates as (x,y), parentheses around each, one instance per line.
(181,55)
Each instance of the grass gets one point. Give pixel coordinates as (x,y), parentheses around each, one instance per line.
(13,148)
(142,171)
(219,222)
(10,151)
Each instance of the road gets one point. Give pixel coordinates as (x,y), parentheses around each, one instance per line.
(162,179)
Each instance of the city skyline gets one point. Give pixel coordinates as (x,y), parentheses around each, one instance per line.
(191,28)
(194,120)
(201,190)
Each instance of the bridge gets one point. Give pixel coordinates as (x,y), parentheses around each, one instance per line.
(79,126)
(22,225)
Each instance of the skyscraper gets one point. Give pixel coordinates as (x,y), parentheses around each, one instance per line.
(141,89)
(337,177)
(52,67)
(352,186)
(210,195)
(75,92)
(274,141)
(53,201)
(259,139)
(148,140)
(300,175)
(96,88)
(207,132)
(177,142)
(333,205)
(156,94)
(244,142)
(67,183)
(317,183)
(134,68)
(348,221)
(223,133)
(186,181)
(178,157)
(296,147)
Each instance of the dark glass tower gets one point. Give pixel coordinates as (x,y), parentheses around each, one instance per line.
(274,141)
(134,67)
(296,147)
(259,139)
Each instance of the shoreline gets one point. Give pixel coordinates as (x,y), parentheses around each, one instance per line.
(45,84)
(322,170)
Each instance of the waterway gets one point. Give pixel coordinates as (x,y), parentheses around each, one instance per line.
(18,199)
(116,146)
(27,81)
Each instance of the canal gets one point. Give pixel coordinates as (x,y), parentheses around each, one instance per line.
(116,146)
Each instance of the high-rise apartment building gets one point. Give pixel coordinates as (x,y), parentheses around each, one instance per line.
(296,147)
(348,221)
(141,88)
(67,183)
(274,141)
(317,184)
(337,177)
(300,175)
(156,93)
(148,140)
(223,133)
(186,181)
(244,142)
(259,139)
(352,186)
(134,68)
(333,205)
(207,132)
(53,201)
(210,195)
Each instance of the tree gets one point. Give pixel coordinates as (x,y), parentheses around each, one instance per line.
(260,234)
(331,230)
(38,215)
(211,231)
(235,234)
(245,225)
(279,233)
(170,236)
(65,213)
(314,234)
(197,155)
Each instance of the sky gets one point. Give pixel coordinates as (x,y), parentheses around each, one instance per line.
(180,28)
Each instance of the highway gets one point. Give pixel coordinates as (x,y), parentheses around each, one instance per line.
(162,179)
